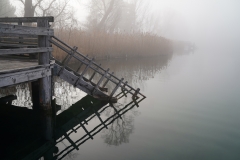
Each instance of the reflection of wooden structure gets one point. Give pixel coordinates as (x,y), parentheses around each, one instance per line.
(24,125)
(84,118)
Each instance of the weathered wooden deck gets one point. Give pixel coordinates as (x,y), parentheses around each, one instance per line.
(12,63)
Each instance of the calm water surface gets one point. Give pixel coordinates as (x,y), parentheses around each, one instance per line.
(191,110)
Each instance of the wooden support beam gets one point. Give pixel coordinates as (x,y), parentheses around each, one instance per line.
(18,40)
(107,80)
(81,64)
(17,45)
(25,50)
(45,84)
(123,89)
(128,91)
(6,29)
(90,79)
(85,70)
(71,78)
(26,19)
(115,89)
(27,36)
(101,79)
(12,78)
(65,63)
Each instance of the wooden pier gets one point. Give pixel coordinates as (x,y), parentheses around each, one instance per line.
(18,39)
(32,36)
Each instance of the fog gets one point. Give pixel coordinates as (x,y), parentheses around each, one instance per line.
(203,22)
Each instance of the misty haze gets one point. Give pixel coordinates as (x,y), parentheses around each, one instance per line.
(120,79)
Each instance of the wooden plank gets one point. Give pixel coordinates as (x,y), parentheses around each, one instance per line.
(26,19)
(17,40)
(18,35)
(45,83)
(65,62)
(17,45)
(115,89)
(24,76)
(83,85)
(107,80)
(101,79)
(26,69)
(25,30)
(123,90)
(80,65)
(90,79)
(25,50)
(85,70)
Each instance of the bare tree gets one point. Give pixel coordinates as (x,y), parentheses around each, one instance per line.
(61,11)
(104,14)
(117,15)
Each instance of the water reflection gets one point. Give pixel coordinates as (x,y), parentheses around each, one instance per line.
(79,117)
(21,128)
(135,71)
(22,92)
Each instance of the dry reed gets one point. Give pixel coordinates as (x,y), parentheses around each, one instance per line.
(103,45)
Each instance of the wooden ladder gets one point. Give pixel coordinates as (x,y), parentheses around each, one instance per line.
(77,78)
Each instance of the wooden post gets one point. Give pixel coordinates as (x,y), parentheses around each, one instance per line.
(67,59)
(115,89)
(90,79)
(45,92)
(107,80)
(101,79)
(85,70)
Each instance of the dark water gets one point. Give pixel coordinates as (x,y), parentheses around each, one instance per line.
(191,110)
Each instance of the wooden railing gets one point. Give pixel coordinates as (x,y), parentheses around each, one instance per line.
(18,36)
(90,63)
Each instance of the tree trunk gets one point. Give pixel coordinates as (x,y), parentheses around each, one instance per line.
(28,9)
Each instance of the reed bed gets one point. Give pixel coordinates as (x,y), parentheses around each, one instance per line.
(103,45)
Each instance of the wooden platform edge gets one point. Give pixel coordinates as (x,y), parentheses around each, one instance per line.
(27,75)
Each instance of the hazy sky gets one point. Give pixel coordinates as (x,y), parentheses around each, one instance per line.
(193,20)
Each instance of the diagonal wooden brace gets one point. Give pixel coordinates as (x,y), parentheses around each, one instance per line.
(107,80)
(90,79)
(67,59)
(101,79)
(85,70)
(115,89)
(81,64)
